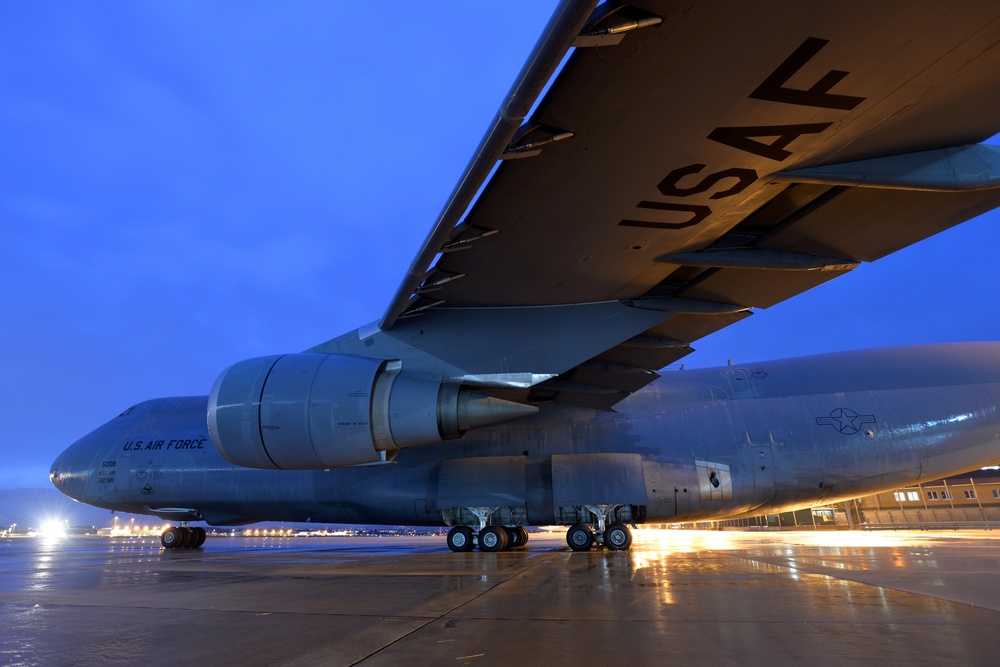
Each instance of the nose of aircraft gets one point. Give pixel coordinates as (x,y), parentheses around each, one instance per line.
(67,475)
(56,473)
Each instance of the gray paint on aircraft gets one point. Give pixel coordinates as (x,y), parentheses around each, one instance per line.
(936,406)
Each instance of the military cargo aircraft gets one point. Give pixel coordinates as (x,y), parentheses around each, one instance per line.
(658,169)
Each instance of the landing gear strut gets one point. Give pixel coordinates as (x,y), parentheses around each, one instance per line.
(487,538)
(183,537)
(616,537)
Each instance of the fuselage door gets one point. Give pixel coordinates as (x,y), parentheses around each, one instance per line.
(762,464)
(739,383)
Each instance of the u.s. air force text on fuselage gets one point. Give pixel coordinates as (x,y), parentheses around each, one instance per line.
(157,445)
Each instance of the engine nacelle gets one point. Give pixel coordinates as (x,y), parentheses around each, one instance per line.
(310,411)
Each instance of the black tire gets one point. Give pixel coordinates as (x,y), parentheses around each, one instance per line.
(185,540)
(493,538)
(198,537)
(524,536)
(617,537)
(579,537)
(171,538)
(460,538)
(513,537)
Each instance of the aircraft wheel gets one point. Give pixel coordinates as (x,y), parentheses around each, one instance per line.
(579,537)
(513,537)
(460,538)
(524,536)
(618,537)
(493,538)
(185,540)
(198,536)
(171,538)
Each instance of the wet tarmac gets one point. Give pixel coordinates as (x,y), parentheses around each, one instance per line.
(903,598)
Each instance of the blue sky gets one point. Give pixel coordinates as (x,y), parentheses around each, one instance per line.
(184,185)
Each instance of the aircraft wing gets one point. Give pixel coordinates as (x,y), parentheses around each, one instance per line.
(699,159)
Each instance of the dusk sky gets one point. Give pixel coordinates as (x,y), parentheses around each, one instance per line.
(184,185)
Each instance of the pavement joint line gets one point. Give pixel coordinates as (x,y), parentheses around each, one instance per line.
(833,575)
(255,612)
(516,573)
(582,621)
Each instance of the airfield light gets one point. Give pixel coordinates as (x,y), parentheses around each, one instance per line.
(52,529)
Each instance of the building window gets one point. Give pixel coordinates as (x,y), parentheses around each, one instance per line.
(996,493)
(946,495)
(933,495)
(970,494)
(912,496)
(898,496)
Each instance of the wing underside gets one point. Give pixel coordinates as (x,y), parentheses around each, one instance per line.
(704,158)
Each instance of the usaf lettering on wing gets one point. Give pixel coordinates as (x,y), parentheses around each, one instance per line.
(746,139)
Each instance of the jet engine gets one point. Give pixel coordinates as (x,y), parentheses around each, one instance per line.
(312,411)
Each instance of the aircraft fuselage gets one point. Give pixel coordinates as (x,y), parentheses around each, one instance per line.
(695,445)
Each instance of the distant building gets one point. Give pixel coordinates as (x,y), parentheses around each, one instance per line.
(969,500)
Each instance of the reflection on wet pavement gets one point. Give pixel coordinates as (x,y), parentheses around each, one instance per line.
(779,598)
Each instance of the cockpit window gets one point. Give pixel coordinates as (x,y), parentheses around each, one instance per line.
(127,412)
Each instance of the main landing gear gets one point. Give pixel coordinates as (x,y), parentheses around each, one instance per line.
(183,537)
(616,537)
(604,525)
(488,538)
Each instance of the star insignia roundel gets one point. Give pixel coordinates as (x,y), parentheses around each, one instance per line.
(845,420)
